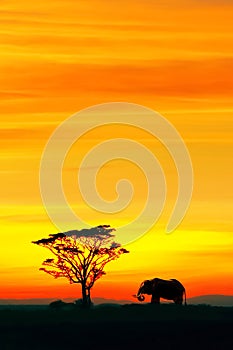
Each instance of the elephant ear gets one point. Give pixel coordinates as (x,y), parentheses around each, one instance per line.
(155,281)
(147,283)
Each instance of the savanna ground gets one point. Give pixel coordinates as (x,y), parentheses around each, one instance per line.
(132,326)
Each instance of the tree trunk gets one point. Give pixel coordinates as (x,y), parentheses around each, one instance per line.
(89,296)
(84,296)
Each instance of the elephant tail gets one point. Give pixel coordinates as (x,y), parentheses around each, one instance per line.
(185,303)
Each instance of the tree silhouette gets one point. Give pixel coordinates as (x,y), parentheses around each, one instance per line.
(80,256)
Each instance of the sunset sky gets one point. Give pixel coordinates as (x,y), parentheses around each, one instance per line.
(173,56)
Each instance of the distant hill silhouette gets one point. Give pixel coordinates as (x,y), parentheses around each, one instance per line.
(214,300)
(46,301)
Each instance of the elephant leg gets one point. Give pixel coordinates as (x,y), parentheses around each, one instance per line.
(178,300)
(155,299)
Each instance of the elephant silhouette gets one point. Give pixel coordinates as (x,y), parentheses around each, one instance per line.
(159,288)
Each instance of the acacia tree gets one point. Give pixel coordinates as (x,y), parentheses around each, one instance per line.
(80,256)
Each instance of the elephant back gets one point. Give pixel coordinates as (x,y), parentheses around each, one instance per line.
(178,284)
(167,289)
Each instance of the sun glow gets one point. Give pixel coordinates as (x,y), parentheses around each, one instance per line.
(174,58)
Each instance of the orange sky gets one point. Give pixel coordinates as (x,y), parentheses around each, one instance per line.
(172,56)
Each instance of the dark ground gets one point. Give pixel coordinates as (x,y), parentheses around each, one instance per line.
(132,326)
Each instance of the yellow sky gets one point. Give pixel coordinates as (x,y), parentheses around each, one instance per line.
(172,56)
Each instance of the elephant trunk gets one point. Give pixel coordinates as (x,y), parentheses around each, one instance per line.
(139,295)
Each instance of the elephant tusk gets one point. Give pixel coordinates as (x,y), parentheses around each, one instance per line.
(140,297)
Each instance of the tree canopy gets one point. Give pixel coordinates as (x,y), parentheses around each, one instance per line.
(80,256)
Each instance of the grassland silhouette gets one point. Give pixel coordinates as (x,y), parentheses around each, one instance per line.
(129,326)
